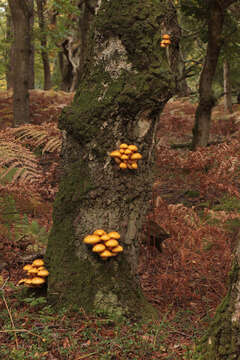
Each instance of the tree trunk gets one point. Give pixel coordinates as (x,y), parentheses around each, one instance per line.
(174,53)
(31,80)
(10,52)
(221,341)
(41,4)
(227,87)
(206,99)
(122,92)
(21,14)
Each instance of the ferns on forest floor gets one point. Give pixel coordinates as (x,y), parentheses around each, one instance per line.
(17,163)
(46,136)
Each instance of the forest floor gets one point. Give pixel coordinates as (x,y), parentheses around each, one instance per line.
(196,200)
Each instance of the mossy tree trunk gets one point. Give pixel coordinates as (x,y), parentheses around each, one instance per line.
(222,341)
(125,85)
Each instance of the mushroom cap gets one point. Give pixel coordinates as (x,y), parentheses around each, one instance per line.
(166,36)
(21,281)
(37,281)
(42,268)
(163,45)
(99,248)
(123,146)
(99,232)
(167,41)
(111,243)
(136,156)
(43,273)
(114,235)
(115,153)
(124,157)
(105,254)
(117,249)
(133,147)
(117,160)
(91,239)
(32,271)
(105,237)
(122,151)
(28,282)
(128,151)
(27,267)
(123,165)
(38,262)
(134,165)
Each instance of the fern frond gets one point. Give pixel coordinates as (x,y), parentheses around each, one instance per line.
(17,163)
(46,135)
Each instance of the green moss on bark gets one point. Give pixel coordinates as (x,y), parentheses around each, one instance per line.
(122,92)
(221,342)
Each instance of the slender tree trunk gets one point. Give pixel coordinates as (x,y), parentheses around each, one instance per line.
(66,68)
(31,81)
(10,52)
(221,341)
(21,14)
(41,4)
(227,87)
(121,95)
(206,99)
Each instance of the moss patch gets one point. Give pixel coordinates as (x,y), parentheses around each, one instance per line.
(221,341)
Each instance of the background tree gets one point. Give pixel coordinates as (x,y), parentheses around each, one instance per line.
(227,87)
(125,85)
(215,13)
(174,52)
(41,11)
(21,12)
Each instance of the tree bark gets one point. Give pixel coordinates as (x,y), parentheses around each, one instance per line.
(21,14)
(41,4)
(10,51)
(31,79)
(227,87)
(221,341)
(124,87)
(206,99)
(174,52)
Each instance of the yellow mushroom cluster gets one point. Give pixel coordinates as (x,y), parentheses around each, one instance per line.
(104,244)
(126,156)
(36,274)
(166,41)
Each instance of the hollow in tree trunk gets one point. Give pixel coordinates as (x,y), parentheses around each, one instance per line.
(126,83)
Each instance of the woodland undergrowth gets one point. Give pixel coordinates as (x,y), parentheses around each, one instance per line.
(196,200)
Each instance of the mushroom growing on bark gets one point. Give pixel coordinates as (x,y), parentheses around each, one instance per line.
(103,243)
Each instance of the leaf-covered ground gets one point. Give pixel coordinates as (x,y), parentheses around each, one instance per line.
(195,200)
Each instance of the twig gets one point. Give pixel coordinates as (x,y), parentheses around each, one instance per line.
(85,356)
(9,313)
(23,330)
